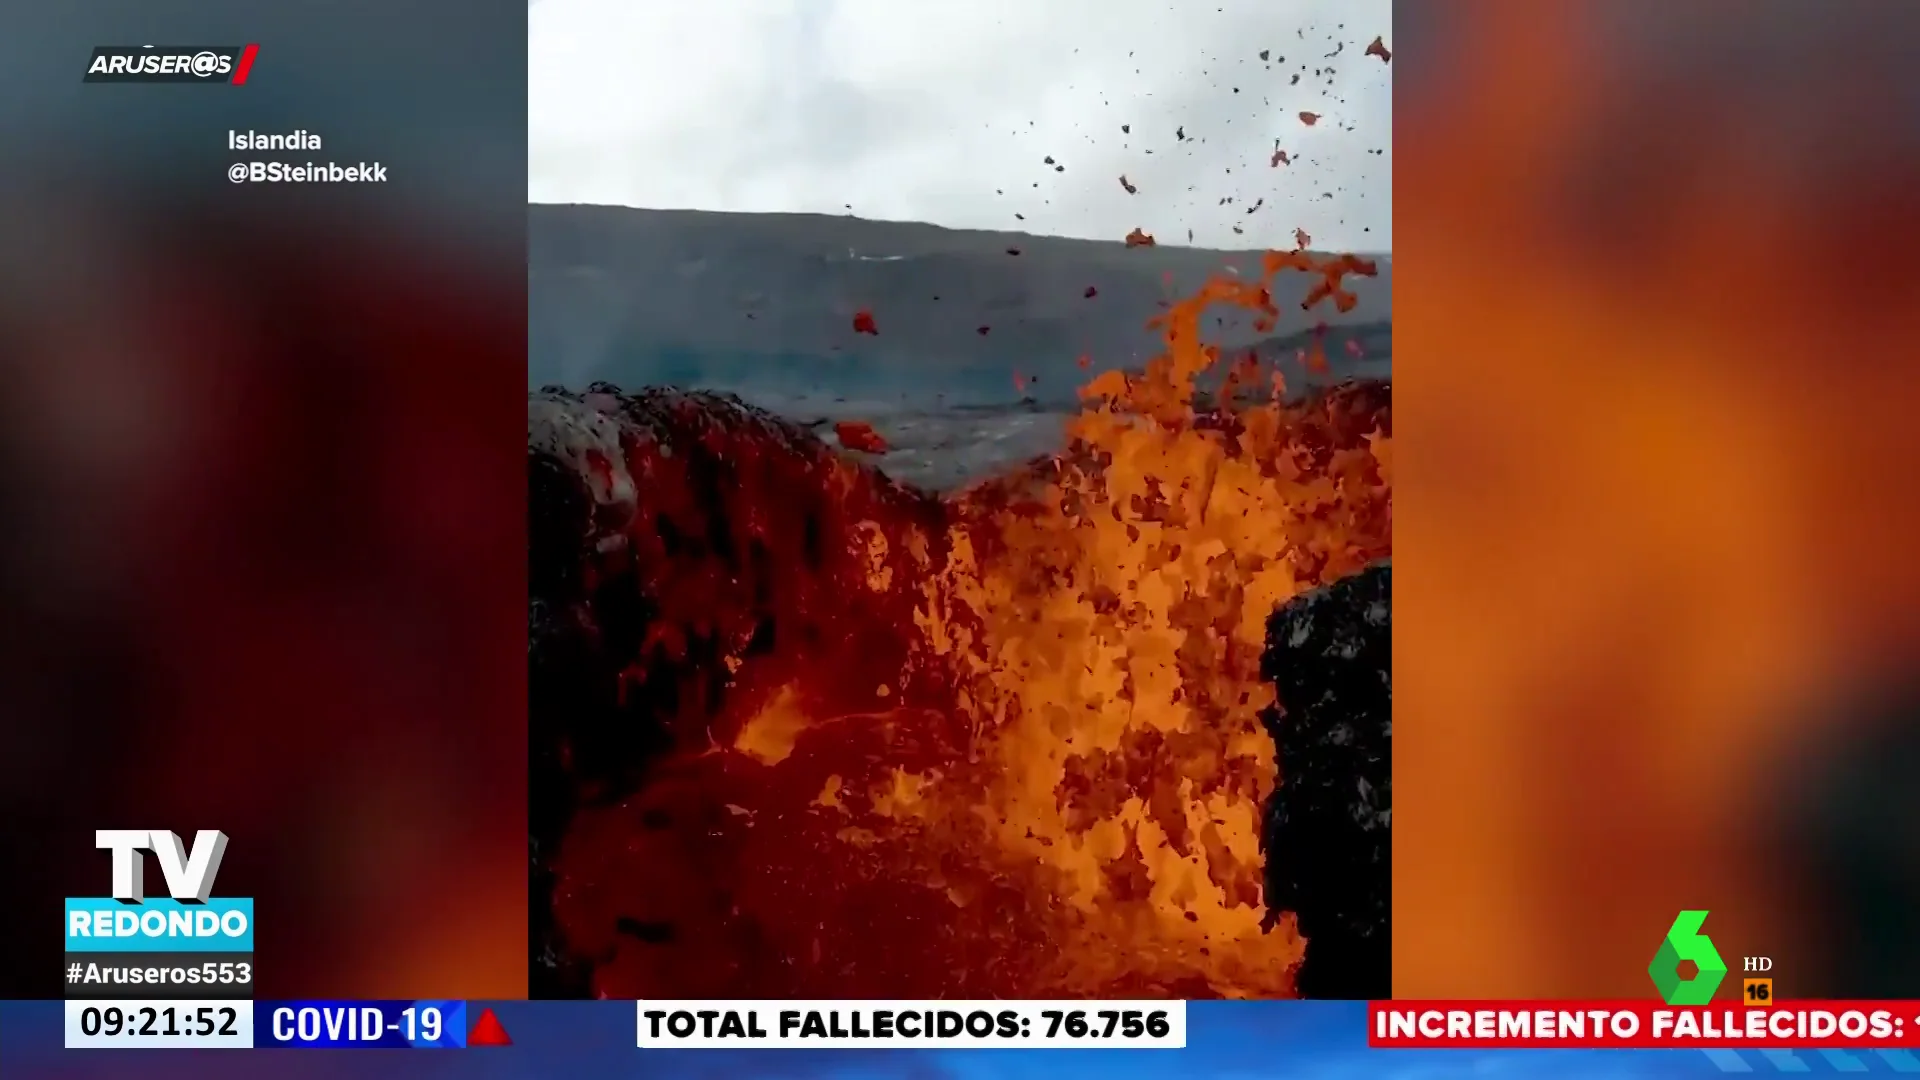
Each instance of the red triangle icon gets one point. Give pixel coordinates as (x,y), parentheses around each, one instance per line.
(488,1032)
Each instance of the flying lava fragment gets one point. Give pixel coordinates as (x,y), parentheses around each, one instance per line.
(859,436)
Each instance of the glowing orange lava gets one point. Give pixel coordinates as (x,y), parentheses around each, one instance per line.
(1055,787)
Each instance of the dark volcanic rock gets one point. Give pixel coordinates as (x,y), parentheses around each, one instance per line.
(1850,834)
(1329,827)
(667,532)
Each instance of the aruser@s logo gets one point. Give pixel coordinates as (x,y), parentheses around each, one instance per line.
(1684,942)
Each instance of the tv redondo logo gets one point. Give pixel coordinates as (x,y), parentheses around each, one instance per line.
(225,65)
(190,918)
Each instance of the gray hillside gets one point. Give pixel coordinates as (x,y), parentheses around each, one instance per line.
(763,304)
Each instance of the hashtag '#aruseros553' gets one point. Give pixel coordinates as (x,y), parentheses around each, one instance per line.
(155,975)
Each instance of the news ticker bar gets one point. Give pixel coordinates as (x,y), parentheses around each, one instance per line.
(1885,1026)
(238,1025)
(219,924)
(1640,1025)
(223,976)
(773,1025)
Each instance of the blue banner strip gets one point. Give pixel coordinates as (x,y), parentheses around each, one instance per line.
(360,1025)
(1294,1040)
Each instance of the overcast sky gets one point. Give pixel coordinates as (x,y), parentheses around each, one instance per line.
(944,111)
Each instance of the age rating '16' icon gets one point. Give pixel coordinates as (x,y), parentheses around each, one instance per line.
(1685,942)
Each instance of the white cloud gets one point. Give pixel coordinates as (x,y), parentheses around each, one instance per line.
(923,110)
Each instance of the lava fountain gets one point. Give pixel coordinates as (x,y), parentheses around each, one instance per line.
(804,732)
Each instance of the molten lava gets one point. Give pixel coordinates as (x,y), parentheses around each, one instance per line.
(1008,745)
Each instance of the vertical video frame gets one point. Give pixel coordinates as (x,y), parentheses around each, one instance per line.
(960,527)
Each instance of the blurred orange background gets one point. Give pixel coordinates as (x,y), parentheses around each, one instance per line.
(1657,372)
(262,475)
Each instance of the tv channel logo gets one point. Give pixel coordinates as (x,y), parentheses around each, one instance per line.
(1684,942)
(189,919)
